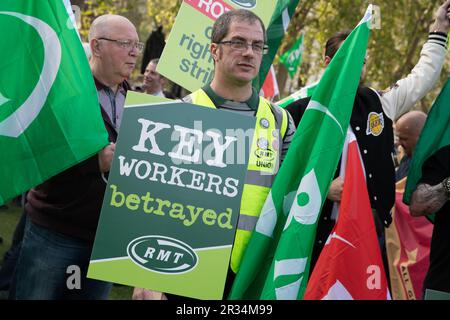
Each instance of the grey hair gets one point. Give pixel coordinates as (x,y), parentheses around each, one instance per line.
(101,24)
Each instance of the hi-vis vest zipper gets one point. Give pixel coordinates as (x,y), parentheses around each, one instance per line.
(263,163)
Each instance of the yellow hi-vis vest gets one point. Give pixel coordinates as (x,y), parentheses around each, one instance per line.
(263,163)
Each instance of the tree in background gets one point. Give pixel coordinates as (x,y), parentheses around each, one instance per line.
(145,14)
(393,50)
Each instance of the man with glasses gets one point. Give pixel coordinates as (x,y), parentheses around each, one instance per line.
(63,212)
(238,44)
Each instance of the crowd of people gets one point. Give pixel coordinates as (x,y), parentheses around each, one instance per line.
(61,215)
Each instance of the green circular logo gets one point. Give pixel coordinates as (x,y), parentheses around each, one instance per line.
(302,199)
(247,4)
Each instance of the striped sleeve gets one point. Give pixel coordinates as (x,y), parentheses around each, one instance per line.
(401,97)
(439,38)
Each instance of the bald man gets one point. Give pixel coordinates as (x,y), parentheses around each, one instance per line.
(408,128)
(63,212)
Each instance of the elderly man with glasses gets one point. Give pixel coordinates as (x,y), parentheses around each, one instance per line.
(63,211)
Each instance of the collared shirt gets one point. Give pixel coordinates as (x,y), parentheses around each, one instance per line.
(247,107)
(112,103)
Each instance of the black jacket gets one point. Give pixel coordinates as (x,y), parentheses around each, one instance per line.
(374,133)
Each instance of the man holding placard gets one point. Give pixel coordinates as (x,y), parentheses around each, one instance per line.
(238,43)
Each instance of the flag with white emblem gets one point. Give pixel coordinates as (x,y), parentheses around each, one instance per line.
(277,260)
(350,265)
(49,113)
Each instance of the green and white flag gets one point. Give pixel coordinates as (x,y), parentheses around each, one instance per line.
(297,95)
(276,30)
(435,135)
(293,57)
(49,113)
(277,260)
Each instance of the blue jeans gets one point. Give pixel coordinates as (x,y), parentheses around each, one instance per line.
(42,268)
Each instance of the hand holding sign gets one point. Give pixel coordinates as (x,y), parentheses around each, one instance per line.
(105,157)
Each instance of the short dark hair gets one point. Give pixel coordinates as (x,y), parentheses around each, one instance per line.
(335,42)
(155,61)
(222,24)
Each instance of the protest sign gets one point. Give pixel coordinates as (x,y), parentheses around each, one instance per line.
(173,197)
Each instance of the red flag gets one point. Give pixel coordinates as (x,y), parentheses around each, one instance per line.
(270,87)
(408,241)
(350,265)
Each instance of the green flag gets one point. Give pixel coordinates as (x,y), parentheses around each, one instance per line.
(435,135)
(300,94)
(275,33)
(49,112)
(293,57)
(277,259)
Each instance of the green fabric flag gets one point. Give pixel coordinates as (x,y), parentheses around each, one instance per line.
(277,259)
(293,57)
(300,94)
(435,135)
(275,33)
(49,113)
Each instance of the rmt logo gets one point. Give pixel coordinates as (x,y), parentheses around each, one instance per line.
(162,254)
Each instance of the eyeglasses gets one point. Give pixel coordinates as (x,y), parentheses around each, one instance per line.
(127,44)
(239,45)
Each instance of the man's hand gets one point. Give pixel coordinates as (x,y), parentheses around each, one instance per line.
(105,157)
(442,19)
(427,199)
(335,192)
(145,294)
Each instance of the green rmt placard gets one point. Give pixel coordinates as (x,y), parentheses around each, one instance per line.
(172,199)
